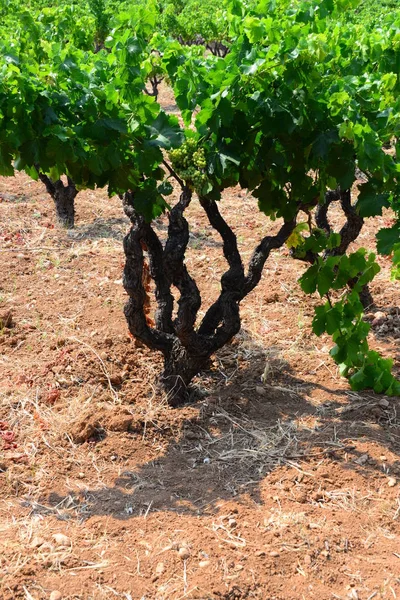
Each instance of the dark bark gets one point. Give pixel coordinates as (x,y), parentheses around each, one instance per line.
(351,229)
(186,349)
(180,366)
(321,212)
(218,49)
(64,199)
(133,284)
(215,47)
(154,83)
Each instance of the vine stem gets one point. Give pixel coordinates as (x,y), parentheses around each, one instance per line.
(174,174)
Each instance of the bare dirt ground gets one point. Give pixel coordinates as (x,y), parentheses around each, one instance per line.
(278,483)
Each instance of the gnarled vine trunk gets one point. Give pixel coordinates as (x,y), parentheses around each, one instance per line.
(186,344)
(64,199)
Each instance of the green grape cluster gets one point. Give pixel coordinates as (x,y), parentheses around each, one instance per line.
(190,163)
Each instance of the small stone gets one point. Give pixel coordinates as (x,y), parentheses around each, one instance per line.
(384,403)
(81,475)
(204,563)
(207,460)
(160,568)
(307,559)
(184,553)
(61,539)
(379,318)
(37,542)
(232,522)
(239,567)
(383,458)
(392,481)
(274,553)
(55,595)
(260,390)
(362,459)
(380,315)
(260,553)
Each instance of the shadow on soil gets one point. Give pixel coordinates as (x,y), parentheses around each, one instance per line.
(117,228)
(100,228)
(224,445)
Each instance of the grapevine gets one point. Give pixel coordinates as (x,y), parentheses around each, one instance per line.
(303,106)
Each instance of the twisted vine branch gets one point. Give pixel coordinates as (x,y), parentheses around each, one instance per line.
(186,349)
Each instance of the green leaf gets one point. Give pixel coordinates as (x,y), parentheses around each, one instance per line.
(370,203)
(296,239)
(387,238)
(319,320)
(325,279)
(333,320)
(308,281)
(165,188)
(334,241)
(165,132)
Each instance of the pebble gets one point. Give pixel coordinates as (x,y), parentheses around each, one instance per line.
(362,459)
(55,595)
(61,539)
(379,318)
(274,553)
(204,563)
(384,403)
(37,542)
(232,522)
(261,391)
(184,553)
(160,568)
(307,559)
(380,315)
(392,481)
